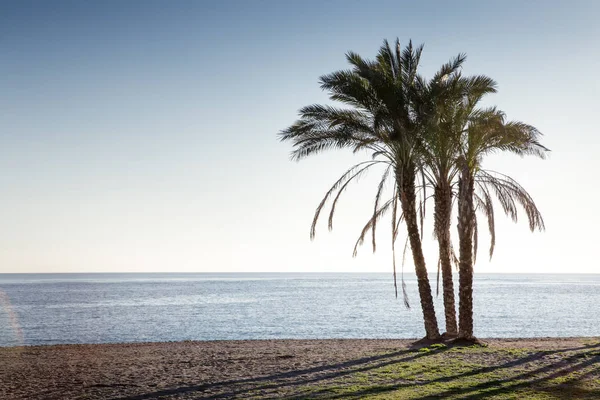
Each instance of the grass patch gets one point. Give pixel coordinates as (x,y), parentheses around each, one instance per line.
(440,372)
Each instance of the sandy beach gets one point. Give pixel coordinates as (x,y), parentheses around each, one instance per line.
(279,368)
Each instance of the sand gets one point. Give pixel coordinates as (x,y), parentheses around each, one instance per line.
(200,370)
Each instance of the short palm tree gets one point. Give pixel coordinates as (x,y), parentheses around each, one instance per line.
(455,131)
(381,119)
(439,102)
(486,131)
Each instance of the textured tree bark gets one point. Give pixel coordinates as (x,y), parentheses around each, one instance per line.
(466,226)
(406,182)
(442,215)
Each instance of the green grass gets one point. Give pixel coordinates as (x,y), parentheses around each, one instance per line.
(439,372)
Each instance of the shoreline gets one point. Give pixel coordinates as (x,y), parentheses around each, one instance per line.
(277,368)
(411,340)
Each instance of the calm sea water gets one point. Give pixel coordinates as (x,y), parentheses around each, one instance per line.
(106,308)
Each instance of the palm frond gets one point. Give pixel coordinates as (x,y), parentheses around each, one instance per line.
(376,204)
(437,286)
(509,192)
(394,235)
(339,194)
(404,292)
(450,68)
(475,238)
(485,204)
(381,211)
(349,175)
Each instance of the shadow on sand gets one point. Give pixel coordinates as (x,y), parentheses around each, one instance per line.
(560,374)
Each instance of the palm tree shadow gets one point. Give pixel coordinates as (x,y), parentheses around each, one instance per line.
(495,387)
(502,386)
(541,378)
(285,379)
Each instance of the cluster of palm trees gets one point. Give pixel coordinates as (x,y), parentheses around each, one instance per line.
(427,134)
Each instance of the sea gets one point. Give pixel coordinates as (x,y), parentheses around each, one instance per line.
(43,309)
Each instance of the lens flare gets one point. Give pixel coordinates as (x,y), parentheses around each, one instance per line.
(13,328)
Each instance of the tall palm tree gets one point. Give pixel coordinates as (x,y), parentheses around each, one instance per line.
(381,119)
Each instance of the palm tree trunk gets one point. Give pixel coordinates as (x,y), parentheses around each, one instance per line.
(466,222)
(408,202)
(442,216)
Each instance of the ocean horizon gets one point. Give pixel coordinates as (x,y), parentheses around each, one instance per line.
(63,308)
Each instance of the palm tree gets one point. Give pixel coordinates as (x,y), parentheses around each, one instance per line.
(455,131)
(487,131)
(382,119)
(438,148)
(441,101)
(447,110)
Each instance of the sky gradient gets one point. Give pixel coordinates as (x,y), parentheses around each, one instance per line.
(141,136)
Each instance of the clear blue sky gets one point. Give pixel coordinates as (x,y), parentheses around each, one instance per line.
(141,136)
